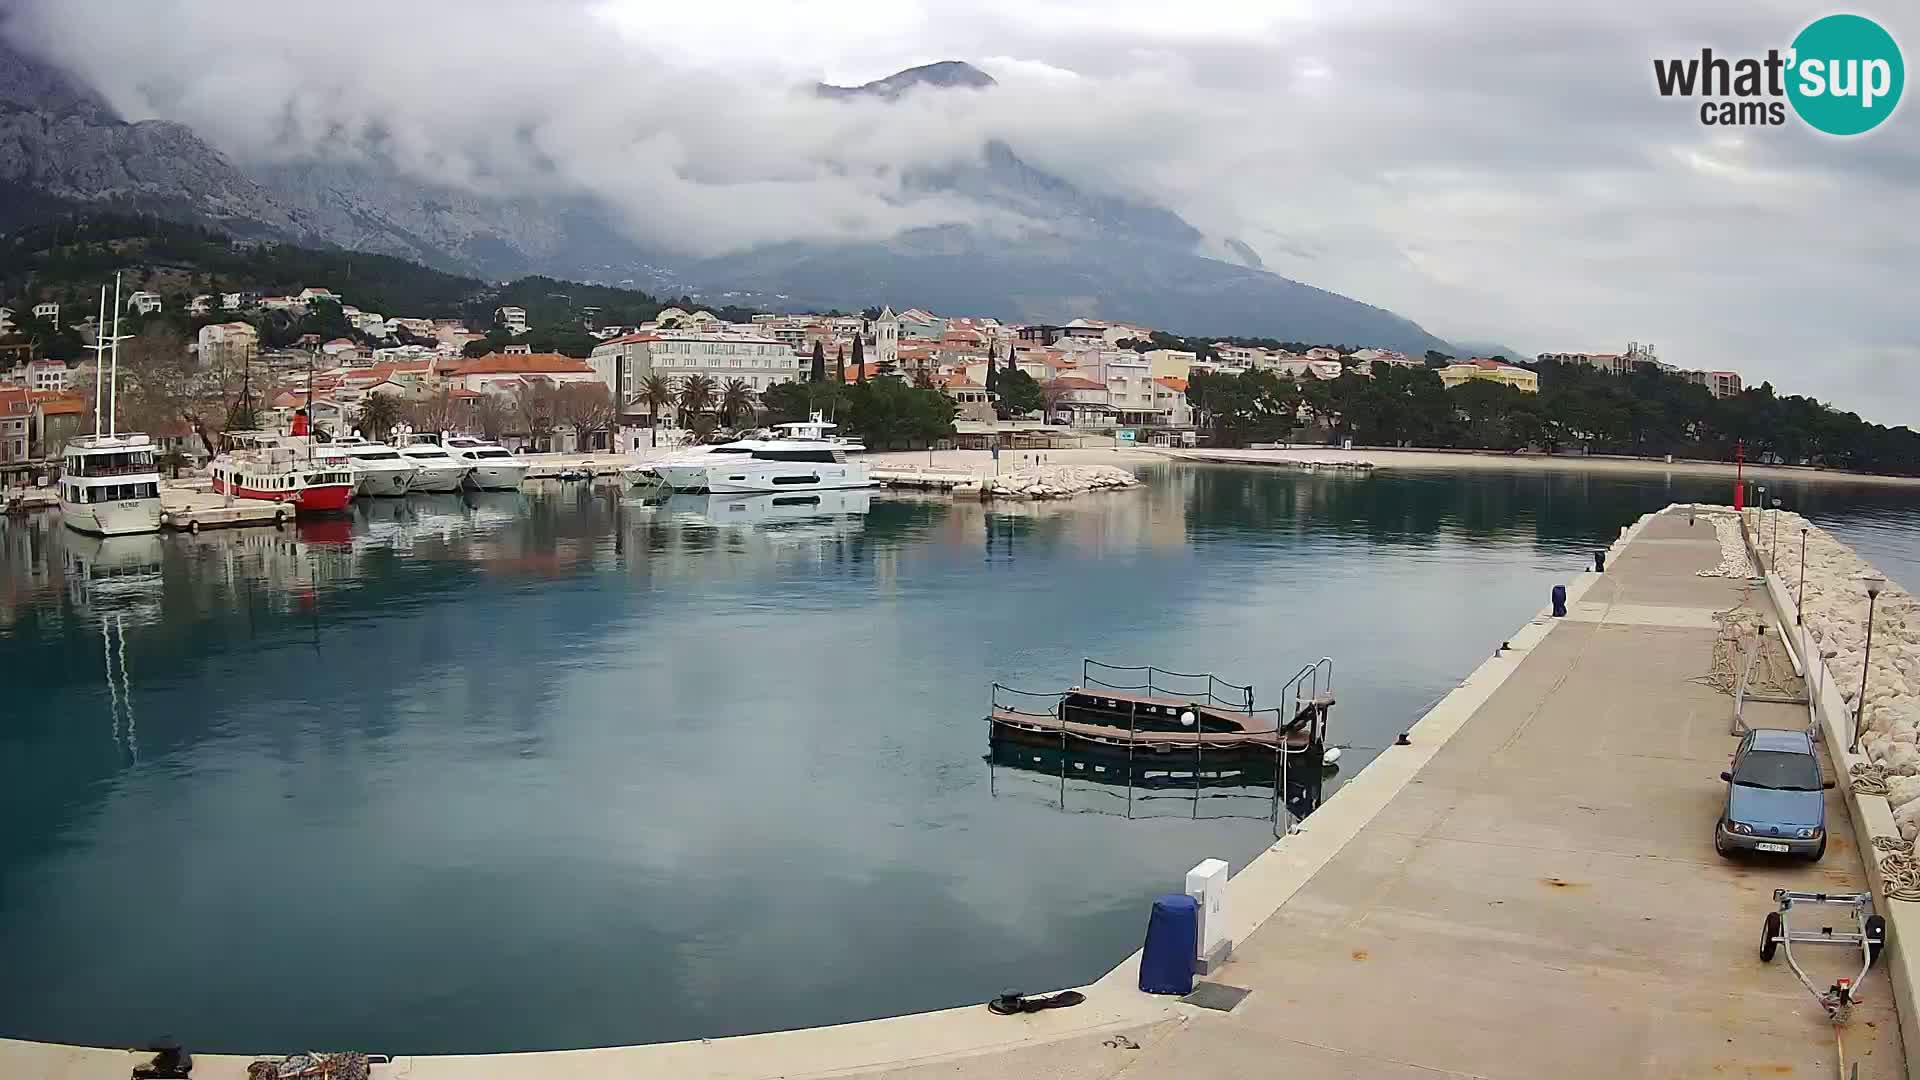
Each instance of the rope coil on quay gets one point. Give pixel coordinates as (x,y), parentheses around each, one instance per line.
(1867,778)
(1897,868)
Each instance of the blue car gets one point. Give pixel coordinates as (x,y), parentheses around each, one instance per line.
(1776,801)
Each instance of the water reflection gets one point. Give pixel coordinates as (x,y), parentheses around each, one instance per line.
(563,768)
(1157,785)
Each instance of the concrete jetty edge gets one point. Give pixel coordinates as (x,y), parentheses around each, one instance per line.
(1113,1002)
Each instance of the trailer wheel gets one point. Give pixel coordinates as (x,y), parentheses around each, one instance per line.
(1876,937)
(193,526)
(1770,936)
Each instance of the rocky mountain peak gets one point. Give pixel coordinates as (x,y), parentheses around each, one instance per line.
(946,74)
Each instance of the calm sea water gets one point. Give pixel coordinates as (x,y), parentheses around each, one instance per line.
(558,769)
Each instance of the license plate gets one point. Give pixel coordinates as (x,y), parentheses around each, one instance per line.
(1781,848)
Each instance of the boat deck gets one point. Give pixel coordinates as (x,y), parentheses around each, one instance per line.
(1052,729)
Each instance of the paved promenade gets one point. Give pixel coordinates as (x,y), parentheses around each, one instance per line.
(1528,890)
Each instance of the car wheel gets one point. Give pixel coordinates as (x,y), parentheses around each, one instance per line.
(1769,936)
(1720,845)
(1819,852)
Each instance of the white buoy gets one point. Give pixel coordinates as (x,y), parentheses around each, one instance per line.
(1186,718)
(1332,756)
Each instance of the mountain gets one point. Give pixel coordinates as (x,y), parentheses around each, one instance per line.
(1042,249)
(943,75)
(60,141)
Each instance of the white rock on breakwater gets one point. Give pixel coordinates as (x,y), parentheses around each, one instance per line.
(1835,608)
(1056,481)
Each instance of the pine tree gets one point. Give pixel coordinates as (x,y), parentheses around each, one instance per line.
(859,361)
(819,372)
(991,357)
(840,365)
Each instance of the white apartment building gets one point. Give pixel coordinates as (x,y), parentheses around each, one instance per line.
(46,376)
(145,303)
(49,312)
(227,346)
(504,373)
(6,320)
(755,359)
(513,318)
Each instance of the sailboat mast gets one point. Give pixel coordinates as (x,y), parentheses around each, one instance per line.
(113,382)
(99,348)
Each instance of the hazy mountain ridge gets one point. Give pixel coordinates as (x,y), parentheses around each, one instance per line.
(1068,253)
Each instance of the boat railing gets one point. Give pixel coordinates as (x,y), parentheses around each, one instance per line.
(1178,684)
(1022,702)
(1308,685)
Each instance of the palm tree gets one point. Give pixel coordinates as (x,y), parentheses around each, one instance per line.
(736,398)
(659,394)
(695,397)
(378,414)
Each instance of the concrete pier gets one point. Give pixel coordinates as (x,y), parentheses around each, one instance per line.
(1527,888)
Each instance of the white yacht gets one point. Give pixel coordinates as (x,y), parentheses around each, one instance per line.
(494,467)
(434,470)
(646,476)
(109,481)
(110,485)
(378,469)
(800,457)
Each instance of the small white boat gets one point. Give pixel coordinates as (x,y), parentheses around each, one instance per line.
(378,469)
(493,467)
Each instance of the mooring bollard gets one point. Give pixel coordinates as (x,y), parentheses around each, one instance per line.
(1559,601)
(1599,562)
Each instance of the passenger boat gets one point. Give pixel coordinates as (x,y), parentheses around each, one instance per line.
(800,457)
(492,467)
(310,476)
(110,485)
(109,481)
(378,469)
(1156,711)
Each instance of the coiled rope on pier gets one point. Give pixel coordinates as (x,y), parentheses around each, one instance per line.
(1866,778)
(1898,870)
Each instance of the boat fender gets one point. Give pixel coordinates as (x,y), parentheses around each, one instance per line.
(166,518)
(193,525)
(279,518)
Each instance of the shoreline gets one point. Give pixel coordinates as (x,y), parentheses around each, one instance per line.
(1412,460)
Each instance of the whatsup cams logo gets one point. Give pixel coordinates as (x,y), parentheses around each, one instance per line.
(1842,75)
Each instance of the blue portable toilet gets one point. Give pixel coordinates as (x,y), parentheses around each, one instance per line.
(1173,937)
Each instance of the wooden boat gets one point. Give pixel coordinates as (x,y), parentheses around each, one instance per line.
(1155,716)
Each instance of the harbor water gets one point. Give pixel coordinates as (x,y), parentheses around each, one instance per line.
(561,769)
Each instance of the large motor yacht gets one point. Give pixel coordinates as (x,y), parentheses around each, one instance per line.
(800,457)
(494,467)
(434,470)
(378,469)
(110,480)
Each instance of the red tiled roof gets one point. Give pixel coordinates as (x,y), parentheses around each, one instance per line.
(1172,382)
(1075,382)
(520,364)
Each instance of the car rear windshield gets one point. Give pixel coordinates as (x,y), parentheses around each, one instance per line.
(1778,770)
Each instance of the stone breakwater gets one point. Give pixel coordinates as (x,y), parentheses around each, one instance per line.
(1835,610)
(1056,481)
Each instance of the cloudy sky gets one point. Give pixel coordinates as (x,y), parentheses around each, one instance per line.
(1490,169)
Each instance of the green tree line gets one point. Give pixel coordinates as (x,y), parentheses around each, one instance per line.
(1578,409)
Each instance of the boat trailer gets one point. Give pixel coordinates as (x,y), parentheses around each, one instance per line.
(1869,935)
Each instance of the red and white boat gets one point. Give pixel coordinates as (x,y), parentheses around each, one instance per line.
(312,477)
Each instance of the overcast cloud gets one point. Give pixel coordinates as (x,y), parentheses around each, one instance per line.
(1491,170)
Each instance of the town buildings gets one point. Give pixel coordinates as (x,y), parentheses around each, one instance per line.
(1519,378)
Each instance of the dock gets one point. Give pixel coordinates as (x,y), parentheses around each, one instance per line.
(915,478)
(1525,887)
(191,509)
